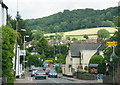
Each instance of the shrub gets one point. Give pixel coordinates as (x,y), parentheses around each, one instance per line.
(58,69)
(82,71)
(98,59)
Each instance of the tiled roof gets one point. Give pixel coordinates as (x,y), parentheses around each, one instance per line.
(75,48)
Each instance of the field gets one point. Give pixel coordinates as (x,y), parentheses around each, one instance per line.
(91,32)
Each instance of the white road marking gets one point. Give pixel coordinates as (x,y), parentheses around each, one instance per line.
(31,79)
(53,80)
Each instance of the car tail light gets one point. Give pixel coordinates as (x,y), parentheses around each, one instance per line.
(36,73)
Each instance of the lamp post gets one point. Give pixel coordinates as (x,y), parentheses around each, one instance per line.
(24,50)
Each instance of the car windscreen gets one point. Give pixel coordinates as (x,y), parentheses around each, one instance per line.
(53,71)
(35,69)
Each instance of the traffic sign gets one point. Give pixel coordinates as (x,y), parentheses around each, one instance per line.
(100,77)
(111,43)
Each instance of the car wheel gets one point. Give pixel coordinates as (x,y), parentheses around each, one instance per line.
(36,78)
(45,78)
(55,76)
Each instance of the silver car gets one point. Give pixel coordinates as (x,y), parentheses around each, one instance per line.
(33,72)
(40,74)
(52,73)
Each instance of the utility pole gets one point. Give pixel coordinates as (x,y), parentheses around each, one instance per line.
(111,60)
(59,51)
(16,43)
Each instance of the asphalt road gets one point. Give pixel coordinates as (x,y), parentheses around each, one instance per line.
(53,81)
(48,80)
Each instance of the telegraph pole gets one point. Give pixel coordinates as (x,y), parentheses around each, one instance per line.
(16,43)
(59,51)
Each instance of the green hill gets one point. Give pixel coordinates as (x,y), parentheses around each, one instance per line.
(74,20)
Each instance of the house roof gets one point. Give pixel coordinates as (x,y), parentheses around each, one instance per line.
(75,48)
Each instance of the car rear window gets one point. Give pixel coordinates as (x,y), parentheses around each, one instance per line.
(40,71)
(35,69)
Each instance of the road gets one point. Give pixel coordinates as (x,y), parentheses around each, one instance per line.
(59,80)
(48,80)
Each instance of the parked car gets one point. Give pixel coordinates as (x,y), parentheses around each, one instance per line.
(47,70)
(33,72)
(52,73)
(40,74)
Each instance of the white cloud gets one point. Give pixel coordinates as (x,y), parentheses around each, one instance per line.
(40,8)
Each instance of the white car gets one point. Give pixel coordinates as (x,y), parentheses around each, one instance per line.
(33,72)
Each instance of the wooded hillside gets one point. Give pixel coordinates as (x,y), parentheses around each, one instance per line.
(75,19)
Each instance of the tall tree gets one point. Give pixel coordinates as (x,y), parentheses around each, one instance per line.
(42,46)
(103,33)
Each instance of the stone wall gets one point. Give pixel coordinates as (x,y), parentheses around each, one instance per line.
(107,79)
(117,74)
(86,76)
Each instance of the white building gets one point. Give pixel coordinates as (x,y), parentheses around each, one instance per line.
(79,55)
(3,13)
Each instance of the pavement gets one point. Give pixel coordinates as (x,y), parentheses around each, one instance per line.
(78,80)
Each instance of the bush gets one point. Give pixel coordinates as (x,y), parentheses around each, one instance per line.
(58,69)
(22,74)
(98,59)
(82,71)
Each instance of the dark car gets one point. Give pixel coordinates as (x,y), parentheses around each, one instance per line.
(40,74)
(52,73)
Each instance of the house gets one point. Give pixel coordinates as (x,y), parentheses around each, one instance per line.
(79,56)
(3,13)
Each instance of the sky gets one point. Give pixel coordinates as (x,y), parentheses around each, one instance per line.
(32,9)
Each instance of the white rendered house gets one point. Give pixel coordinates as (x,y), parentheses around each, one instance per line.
(3,13)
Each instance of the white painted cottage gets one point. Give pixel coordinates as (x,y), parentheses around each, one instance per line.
(79,55)
(3,13)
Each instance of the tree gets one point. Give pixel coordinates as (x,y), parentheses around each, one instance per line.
(37,34)
(42,46)
(86,36)
(73,20)
(74,39)
(21,25)
(103,33)
(8,42)
(98,59)
(34,60)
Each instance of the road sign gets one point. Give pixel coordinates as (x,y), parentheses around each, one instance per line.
(22,52)
(111,43)
(100,77)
